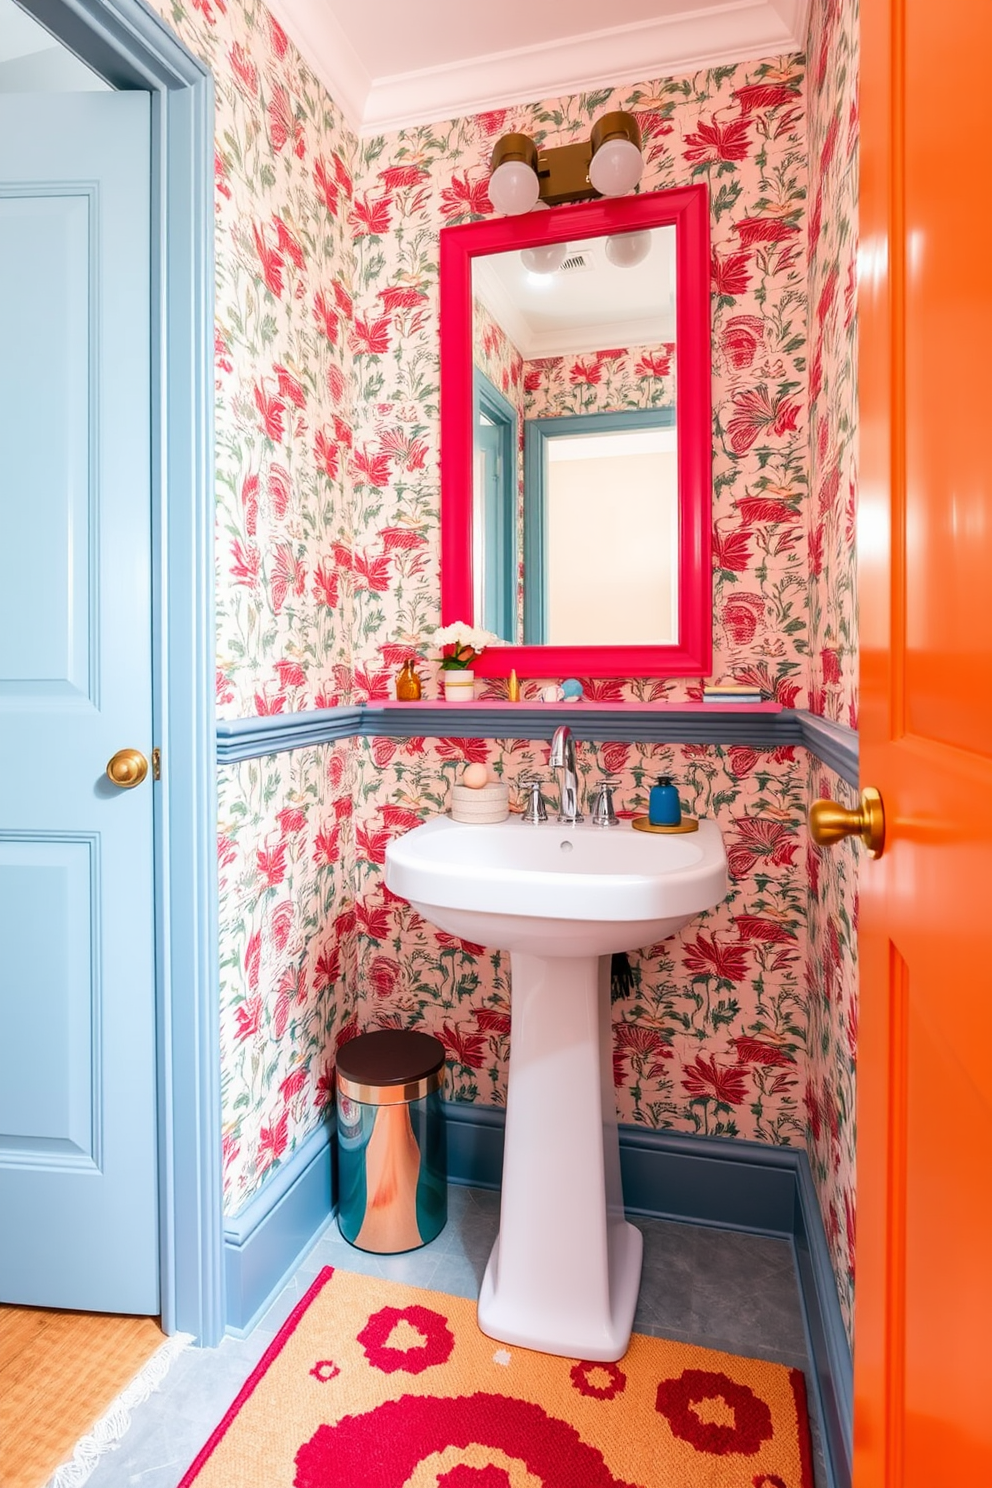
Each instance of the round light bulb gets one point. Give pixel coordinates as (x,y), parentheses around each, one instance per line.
(625,250)
(616,167)
(513,188)
(546,259)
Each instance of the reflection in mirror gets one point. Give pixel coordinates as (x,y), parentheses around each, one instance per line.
(603,530)
(575,480)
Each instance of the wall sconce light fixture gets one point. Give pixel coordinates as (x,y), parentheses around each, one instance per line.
(609,163)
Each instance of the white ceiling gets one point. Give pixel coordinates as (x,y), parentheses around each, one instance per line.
(390,63)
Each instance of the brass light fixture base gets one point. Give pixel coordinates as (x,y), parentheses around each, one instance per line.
(563,172)
(618,125)
(513,147)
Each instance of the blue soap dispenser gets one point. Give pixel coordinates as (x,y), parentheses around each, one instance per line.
(664,809)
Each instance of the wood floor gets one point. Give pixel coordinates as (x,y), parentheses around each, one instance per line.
(59,1371)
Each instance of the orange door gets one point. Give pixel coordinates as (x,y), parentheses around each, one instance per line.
(923,1345)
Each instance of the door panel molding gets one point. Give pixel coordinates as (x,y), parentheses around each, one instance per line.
(130,47)
(51,1111)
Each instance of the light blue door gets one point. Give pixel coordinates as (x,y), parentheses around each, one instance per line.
(78,1167)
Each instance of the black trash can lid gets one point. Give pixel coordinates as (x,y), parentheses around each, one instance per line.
(390,1056)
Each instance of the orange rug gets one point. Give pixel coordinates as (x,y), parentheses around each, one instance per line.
(370,1384)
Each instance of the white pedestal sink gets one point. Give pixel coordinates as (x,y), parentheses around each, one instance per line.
(565,1269)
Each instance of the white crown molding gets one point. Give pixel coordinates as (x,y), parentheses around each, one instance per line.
(696,36)
(732,31)
(584,340)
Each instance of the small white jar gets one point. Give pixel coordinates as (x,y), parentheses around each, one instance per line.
(459,685)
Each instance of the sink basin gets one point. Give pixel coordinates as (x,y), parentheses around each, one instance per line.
(557,890)
(564,1272)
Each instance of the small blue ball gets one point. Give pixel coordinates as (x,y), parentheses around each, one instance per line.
(572,690)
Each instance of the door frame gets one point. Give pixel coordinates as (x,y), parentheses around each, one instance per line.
(500,519)
(128,45)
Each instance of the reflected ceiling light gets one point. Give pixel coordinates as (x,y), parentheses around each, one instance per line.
(626,250)
(546,259)
(609,163)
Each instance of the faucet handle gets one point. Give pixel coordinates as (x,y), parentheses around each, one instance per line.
(535,811)
(603,814)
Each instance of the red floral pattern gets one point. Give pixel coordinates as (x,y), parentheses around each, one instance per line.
(382,1448)
(435,1349)
(752,1418)
(831,956)
(464,1476)
(616,1380)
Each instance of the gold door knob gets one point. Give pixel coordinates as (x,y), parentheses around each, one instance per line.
(829,822)
(128,768)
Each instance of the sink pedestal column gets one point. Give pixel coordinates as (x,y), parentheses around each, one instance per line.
(565,1269)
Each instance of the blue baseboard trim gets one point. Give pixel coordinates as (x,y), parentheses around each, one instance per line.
(827,1340)
(726,1183)
(265,1242)
(832,743)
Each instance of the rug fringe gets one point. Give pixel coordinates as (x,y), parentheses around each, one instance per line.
(108,1431)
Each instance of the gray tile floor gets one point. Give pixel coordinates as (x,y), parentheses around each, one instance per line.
(716,1288)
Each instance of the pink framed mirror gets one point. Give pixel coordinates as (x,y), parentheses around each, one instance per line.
(576,444)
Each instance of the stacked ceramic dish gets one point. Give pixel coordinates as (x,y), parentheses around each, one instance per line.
(480,805)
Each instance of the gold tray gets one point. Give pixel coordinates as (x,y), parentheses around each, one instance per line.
(687,824)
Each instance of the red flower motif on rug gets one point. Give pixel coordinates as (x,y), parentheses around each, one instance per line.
(464,1476)
(436,1348)
(381,1448)
(752,1418)
(616,1380)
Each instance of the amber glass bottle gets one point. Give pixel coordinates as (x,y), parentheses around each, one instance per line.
(408,688)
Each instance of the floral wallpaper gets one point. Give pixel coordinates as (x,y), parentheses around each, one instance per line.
(284,162)
(284,845)
(601,382)
(832,991)
(831,970)
(741,129)
(496,356)
(711,1035)
(833,248)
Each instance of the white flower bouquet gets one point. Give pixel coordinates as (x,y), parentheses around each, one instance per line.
(462,644)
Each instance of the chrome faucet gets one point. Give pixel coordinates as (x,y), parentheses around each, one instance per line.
(563,760)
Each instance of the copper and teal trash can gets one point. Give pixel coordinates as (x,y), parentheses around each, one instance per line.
(392,1179)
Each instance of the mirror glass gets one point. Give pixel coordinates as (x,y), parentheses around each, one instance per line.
(575,494)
